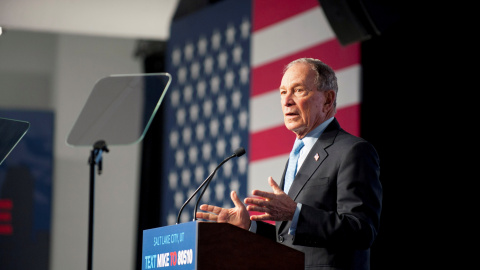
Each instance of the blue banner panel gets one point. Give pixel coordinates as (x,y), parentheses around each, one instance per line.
(170,246)
(26,194)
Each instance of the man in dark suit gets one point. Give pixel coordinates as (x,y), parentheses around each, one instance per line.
(331,210)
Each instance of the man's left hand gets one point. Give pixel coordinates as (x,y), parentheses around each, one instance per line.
(276,205)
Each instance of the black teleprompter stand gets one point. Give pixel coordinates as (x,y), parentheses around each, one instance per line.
(119,111)
(95,159)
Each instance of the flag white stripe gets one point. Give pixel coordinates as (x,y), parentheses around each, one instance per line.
(269,112)
(258,172)
(348,86)
(266,110)
(294,34)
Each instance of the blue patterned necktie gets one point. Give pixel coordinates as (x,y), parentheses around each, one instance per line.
(292,164)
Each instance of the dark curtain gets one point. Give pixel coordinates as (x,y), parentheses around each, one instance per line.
(396,117)
(153,55)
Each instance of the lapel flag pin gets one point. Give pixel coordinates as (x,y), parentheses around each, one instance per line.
(316,157)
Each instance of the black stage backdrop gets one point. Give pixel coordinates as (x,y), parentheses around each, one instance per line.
(153,54)
(396,87)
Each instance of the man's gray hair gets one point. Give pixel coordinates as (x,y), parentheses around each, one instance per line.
(325,78)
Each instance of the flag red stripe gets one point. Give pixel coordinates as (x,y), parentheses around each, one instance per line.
(267,77)
(279,140)
(6,229)
(271,142)
(5,217)
(349,118)
(268,12)
(6,204)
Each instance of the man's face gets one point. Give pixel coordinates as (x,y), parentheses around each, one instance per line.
(302,104)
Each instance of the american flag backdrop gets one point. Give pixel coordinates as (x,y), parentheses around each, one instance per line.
(226,62)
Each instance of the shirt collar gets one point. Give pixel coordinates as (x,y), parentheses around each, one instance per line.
(310,139)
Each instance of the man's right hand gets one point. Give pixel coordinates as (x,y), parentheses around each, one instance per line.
(237,216)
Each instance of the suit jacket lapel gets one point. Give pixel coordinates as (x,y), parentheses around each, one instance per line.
(311,163)
(282,181)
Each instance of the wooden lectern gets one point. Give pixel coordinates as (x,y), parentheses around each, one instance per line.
(207,246)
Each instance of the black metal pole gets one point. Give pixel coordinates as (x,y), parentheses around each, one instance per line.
(90,211)
(95,159)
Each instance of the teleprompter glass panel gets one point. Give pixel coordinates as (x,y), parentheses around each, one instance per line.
(119,109)
(11,132)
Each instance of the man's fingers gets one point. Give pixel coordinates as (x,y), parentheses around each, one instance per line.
(206,216)
(256,201)
(210,208)
(273,184)
(256,208)
(264,194)
(235,199)
(260,217)
(269,195)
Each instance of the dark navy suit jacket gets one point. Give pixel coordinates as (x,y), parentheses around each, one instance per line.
(339,188)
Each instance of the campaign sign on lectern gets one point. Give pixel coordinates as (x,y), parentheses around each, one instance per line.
(170,246)
(200,245)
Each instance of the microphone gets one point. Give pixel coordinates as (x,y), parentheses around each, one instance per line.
(237,153)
